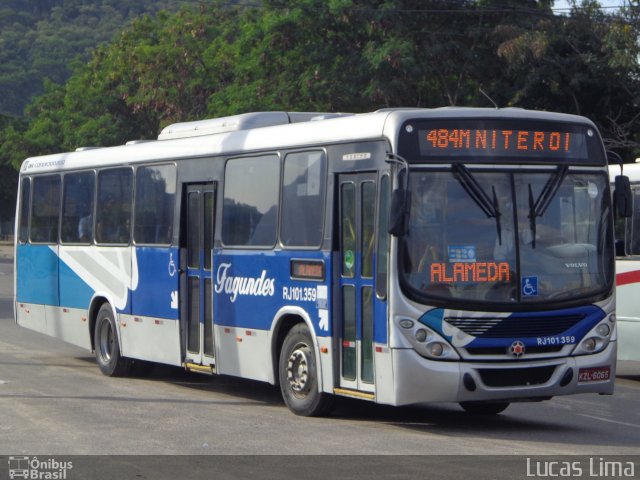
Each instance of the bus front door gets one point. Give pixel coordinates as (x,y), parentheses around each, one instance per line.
(355,280)
(196,286)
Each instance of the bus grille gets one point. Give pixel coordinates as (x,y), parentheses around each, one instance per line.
(516,377)
(515,327)
(502,350)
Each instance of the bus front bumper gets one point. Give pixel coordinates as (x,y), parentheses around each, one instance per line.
(417,379)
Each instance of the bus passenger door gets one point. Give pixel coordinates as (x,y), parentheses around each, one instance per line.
(356,283)
(196,286)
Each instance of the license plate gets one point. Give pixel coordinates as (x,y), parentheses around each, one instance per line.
(594,374)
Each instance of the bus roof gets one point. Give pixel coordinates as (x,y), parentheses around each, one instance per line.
(268,130)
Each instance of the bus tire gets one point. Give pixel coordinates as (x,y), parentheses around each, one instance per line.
(107,349)
(484,408)
(298,375)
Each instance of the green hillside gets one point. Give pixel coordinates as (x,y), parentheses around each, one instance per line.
(39,39)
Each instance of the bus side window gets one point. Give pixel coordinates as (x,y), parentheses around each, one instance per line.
(155,199)
(368,215)
(25,206)
(383,239)
(77,208)
(113,215)
(250,209)
(45,209)
(303,199)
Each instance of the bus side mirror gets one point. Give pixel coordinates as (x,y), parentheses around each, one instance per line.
(399,213)
(622,198)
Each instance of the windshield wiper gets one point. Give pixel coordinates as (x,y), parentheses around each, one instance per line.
(478,195)
(539,207)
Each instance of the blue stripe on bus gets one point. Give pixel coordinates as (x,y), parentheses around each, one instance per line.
(590,314)
(156,294)
(37,275)
(380,330)
(250,287)
(44,279)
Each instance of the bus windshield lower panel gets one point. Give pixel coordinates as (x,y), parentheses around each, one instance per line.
(507,238)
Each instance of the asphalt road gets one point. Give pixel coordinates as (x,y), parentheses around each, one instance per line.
(54,401)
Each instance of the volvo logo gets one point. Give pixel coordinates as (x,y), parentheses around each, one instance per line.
(517,349)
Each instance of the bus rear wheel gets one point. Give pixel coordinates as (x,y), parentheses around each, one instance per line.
(484,408)
(107,348)
(298,374)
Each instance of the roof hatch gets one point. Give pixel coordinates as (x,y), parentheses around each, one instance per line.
(244,121)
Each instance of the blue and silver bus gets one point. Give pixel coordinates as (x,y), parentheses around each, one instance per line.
(401,256)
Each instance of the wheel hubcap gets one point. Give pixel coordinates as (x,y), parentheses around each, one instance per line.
(298,369)
(106,341)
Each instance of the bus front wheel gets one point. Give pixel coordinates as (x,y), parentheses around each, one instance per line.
(107,350)
(298,374)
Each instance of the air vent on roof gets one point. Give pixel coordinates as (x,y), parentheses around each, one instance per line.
(244,121)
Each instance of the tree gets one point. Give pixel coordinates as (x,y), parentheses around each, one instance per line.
(586,64)
(9,134)
(347,55)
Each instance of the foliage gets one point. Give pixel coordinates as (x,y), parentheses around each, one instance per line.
(585,64)
(222,58)
(39,39)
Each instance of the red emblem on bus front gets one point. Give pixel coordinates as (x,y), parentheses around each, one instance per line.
(517,349)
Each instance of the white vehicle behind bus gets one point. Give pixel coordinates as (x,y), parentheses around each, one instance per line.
(628,269)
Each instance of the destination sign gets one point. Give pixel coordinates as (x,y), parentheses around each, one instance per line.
(488,140)
(501,142)
(477,272)
(307,269)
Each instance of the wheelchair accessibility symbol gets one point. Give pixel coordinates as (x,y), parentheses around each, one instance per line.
(172,265)
(529,286)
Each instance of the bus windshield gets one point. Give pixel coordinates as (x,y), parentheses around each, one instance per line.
(482,236)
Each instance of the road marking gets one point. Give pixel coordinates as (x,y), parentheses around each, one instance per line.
(610,421)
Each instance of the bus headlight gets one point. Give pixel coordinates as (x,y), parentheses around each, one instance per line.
(597,338)
(436,349)
(589,344)
(603,330)
(426,342)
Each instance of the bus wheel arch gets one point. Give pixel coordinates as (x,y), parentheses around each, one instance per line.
(297,367)
(94,308)
(281,329)
(106,343)
(284,320)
